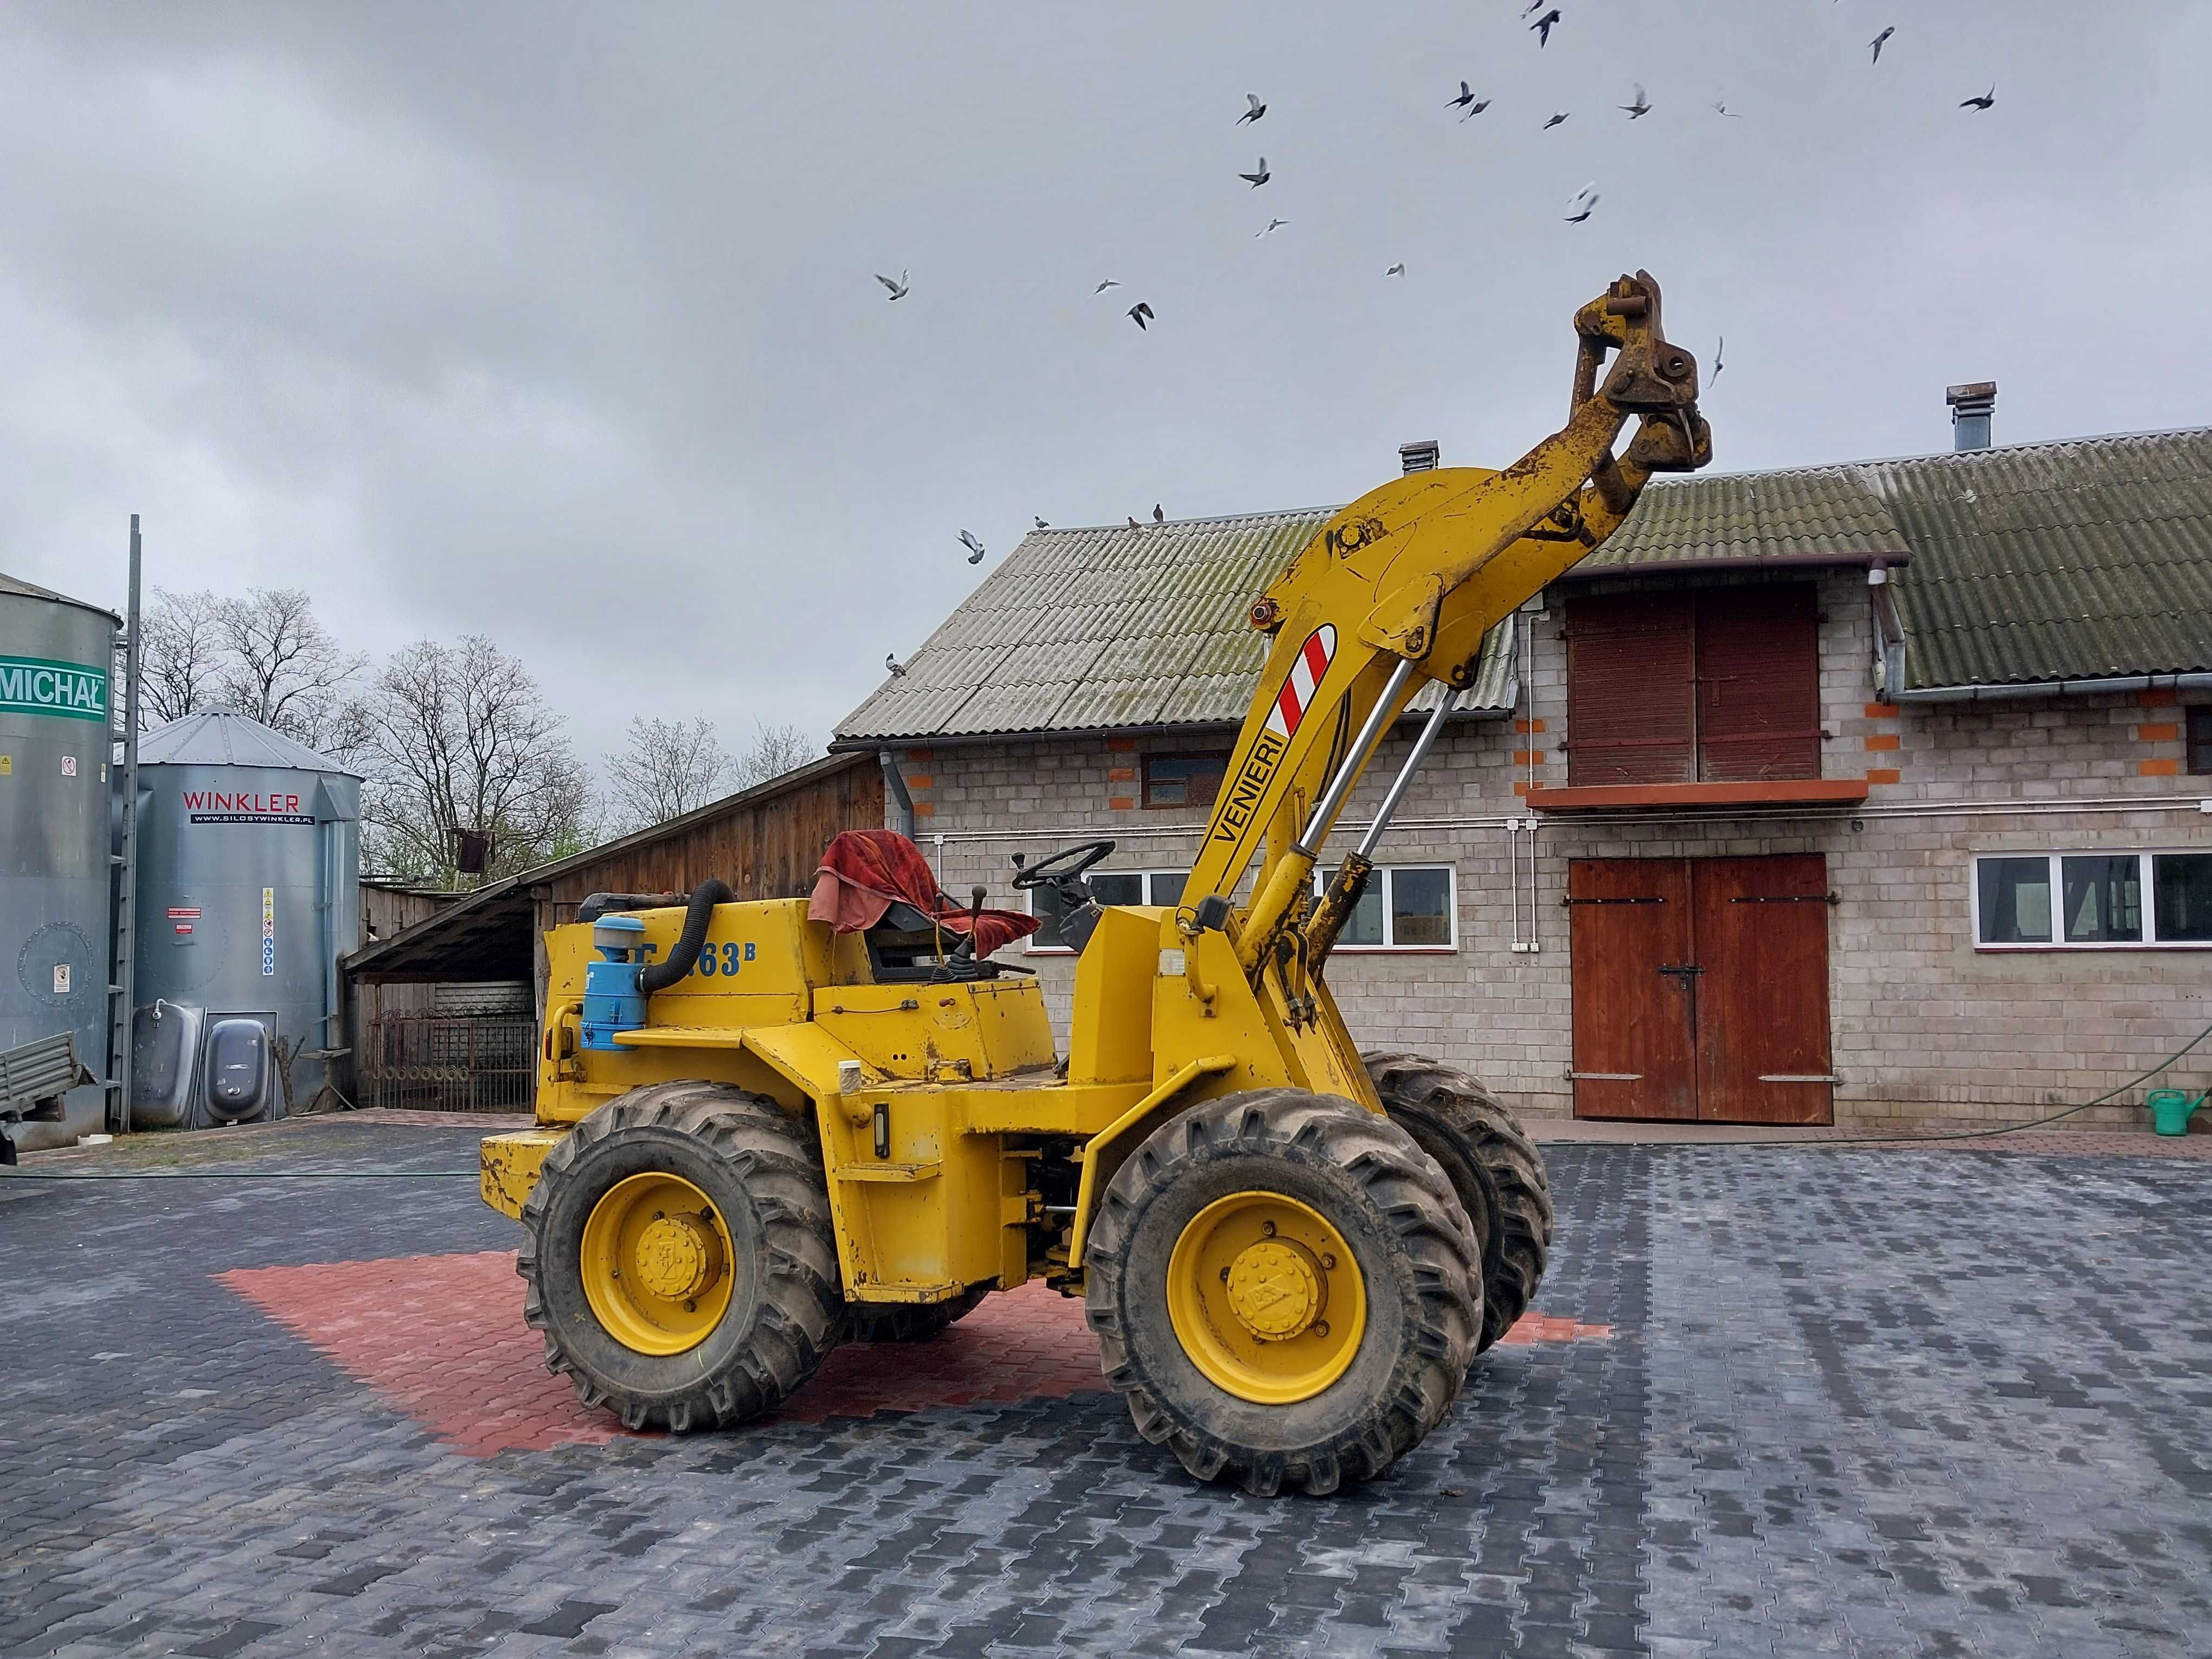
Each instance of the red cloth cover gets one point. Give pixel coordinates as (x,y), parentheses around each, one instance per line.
(865,872)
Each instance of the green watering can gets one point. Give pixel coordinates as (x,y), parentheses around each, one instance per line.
(2171,1108)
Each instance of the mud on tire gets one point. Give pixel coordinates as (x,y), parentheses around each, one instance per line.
(1415,1253)
(1495,1169)
(764,1173)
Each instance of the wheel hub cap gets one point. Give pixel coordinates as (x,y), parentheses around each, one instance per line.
(676,1256)
(1273,1290)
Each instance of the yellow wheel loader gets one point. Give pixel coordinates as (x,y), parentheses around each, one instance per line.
(759,1136)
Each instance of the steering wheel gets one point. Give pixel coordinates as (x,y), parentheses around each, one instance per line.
(1061,866)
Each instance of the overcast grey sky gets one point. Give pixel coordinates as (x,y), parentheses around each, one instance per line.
(559,323)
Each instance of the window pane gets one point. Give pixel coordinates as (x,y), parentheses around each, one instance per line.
(2015,895)
(1116,886)
(2200,739)
(1167,885)
(1420,907)
(2183,882)
(2103,897)
(1045,902)
(1182,779)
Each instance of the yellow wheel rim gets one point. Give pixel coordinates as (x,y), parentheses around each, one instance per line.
(656,1263)
(1266,1297)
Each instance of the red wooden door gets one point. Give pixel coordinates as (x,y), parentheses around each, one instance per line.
(1762,932)
(1701,990)
(1634,1051)
(1631,709)
(1759,685)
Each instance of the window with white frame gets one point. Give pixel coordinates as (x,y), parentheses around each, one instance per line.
(1108,887)
(1407,907)
(2092,900)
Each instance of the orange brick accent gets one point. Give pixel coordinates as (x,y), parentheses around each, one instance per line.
(1527,758)
(1881,711)
(1121,744)
(922,809)
(1120,804)
(2158,768)
(1120,774)
(2162,732)
(1519,788)
(1881,740)
(1884,775)
(922,757)
(920,781)
(2158,697)
(1526,727)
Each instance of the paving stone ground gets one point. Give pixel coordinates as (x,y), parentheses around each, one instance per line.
(1780,1402)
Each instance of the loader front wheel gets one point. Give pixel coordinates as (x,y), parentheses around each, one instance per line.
(1285,1291)
(680,1258)
(1495,1169)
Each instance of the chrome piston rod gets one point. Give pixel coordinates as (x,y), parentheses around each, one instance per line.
(1385,812)
(1325,809)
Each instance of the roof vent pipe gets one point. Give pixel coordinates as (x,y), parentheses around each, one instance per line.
(1419,456)
(1971,405)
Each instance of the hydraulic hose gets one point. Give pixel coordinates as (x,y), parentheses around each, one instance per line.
(659,975)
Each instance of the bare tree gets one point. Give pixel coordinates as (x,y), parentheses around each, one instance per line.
(283,668)
(265,655)
(181,655)
(462,739)
(665,768)
(774,751)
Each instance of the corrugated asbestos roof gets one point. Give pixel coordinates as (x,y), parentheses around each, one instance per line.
(222,738)
(1110,628)
(2086,559)
(1810,513)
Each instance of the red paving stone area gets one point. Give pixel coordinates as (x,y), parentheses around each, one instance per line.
(441,1338)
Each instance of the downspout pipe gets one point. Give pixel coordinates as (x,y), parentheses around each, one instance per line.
(902,803)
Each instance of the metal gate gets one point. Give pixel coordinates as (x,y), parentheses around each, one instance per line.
(449,1063)
(1701,990)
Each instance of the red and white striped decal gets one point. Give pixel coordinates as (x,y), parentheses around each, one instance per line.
(1306,671)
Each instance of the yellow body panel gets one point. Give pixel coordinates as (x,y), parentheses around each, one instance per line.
(508,1166)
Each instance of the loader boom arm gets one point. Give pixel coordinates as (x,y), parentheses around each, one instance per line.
(1400,588)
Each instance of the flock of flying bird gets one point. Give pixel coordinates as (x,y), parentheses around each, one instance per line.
(1580,206)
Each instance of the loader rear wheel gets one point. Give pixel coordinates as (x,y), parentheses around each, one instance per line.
(1285,1291)
(680,1259)
(911,1321)
(1495,1169)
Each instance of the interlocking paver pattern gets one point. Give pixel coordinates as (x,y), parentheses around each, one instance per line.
(1848,1401)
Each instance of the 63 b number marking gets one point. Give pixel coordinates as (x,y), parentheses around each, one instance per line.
(724,959)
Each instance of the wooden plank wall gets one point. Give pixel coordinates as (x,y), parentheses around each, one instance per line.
(766,848)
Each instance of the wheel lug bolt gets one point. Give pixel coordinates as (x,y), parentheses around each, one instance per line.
(690,1304)
(1268,1228)
(1328,1261)
(1321,1328)
(1225,1275)
(659,1215)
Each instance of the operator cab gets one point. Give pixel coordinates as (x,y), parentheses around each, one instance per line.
(910,946)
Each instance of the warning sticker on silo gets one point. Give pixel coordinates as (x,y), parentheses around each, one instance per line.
(269,932)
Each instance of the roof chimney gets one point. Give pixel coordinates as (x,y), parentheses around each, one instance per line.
(1971,405)
(1419,456)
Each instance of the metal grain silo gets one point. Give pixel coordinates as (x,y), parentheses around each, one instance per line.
(249,870)
(55,742)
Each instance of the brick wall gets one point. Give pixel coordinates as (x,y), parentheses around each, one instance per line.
(1925,1029)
